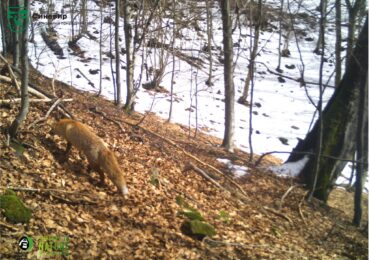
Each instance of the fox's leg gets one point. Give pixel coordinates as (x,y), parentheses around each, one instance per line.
(67,152)
(102,176)
(68,148)
(92,167)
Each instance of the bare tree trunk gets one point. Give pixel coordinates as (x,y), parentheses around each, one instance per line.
(320,122)
(13,129)
(228,141)
(117,49)
(130,62)
(360,152)
(173,59)
(338,42)
(280,34)
(253,53)
(101,51)
(84,16)
(323,5)
(209,4)
(353,11)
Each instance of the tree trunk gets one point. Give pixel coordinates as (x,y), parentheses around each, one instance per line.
(209,5)
(338,42)
(101,50)
(353,11)
(117,49)
(360,153)
(130,62)
(339,125)
(323,5)
(253,53)
(13,129)
(228,141)
(280,34)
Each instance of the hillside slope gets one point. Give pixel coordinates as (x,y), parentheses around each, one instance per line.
(146,224)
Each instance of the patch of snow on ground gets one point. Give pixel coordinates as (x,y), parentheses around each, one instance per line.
(290,169)
(237,170)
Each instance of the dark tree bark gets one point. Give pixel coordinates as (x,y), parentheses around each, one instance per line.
(361,153)
(13,129)
(339,125)
(228,141)
(5,33)
(353,10)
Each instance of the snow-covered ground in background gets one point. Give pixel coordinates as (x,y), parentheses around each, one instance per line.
(281,110)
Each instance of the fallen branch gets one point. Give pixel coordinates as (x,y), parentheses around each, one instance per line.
(34,100)
(278,214)
(8,226)
(90,82)
(191,166)
(32,90)
(37,190)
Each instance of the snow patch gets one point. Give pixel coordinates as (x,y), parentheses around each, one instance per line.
(290,169)
(237,170)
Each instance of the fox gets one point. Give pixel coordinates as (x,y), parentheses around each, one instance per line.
(100,158)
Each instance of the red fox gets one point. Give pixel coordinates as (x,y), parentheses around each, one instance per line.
(100,158)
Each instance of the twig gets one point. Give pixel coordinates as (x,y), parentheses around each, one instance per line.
(14,79)
(278,214)
(97,111)
(47,114)
(223,243)
(37,190)
(306,153)
(73,202)
(300,209)
(284,196)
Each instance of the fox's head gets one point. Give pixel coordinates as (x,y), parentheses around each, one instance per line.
(114,171)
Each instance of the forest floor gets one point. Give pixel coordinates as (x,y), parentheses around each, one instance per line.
(102,224)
